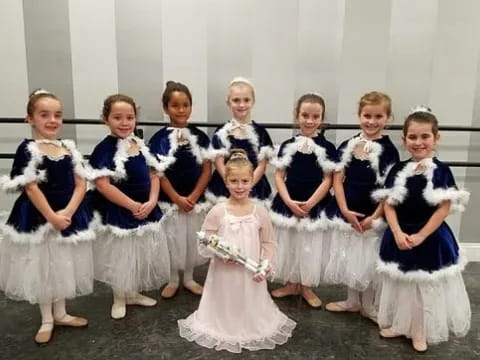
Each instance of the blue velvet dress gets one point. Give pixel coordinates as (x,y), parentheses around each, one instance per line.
(353,255)
(184,150)
(258,145)
(428,276)
(37,262)
(131,254)
(301,246)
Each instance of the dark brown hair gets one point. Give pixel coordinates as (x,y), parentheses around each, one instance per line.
(171,87)
(112,99)
(309,98)
(423,117)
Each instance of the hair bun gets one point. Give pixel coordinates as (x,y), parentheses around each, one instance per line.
(238,154)
(170,83)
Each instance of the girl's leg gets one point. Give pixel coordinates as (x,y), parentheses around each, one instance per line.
(310,297)
(188,281)
(62,318)
(352,303)
(419,340)
(119,309)
(44,334)
(368,304)
(290,288)
(171,288)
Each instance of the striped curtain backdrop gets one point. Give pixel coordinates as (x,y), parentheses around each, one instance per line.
(420,52)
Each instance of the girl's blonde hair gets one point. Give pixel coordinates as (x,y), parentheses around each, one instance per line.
(375,98)
(237,158)
(241,81)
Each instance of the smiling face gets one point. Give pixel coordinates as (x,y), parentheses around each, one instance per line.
(178,108)
(240,101)
(310,117)
(121,119)
(420,140)
(373,119)
(46,119)
(239,181)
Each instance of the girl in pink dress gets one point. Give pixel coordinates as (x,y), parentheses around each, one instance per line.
(236,310)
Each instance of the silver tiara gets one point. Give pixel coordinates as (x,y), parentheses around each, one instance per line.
(421,108)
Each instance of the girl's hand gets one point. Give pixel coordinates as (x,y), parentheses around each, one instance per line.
(296,208)
(229,261)
(133,207)
(306,206)
(65,212)
(402,240)
(192,200)
(144,210)
(352,218)
(60,222)
(415,239)
(184,204)
(260,277)
(367,223)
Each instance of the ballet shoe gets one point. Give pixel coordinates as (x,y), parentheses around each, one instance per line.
(44,335)
(388,333)
(341,306)
(193,287)
(419,345)
(119,310)
(287,290)
(169,291)
(312,299)
(72,321)
(141,300)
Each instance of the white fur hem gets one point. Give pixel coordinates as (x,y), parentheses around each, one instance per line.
(305,224)
(421,276)
(45,233)
(138,231)
(168,208)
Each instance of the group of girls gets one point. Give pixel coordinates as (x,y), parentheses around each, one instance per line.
(136,229)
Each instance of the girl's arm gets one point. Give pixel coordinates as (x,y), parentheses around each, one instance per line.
(113,194)
(432,224)
(147,207)
(38,199)
(283,192)
(259,171)
(201,183)
(267,243)
(400,237)
(181,201)
(220,166)
(77,197)
(351,216)
(319,194)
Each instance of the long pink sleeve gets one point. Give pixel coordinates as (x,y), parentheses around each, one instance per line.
(268,244)
(211,225)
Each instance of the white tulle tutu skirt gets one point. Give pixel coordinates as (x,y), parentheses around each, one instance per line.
(301,256)
(132,262)
(443,305)
(45,272)
(181,229)
(352,259)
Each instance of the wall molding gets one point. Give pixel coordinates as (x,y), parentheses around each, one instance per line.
(472,251)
